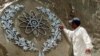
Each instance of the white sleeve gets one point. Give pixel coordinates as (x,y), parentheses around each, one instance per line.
(68,33)
(87,39)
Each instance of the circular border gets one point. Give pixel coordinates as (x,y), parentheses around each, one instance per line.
(27,45)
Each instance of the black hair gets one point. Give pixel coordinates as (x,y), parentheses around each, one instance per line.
(76,22)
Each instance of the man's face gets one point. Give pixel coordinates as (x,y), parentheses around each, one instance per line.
(73,25)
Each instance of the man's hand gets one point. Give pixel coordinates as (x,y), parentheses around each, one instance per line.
(88,51)
(62,26)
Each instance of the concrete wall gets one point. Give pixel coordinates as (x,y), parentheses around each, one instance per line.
(87,10)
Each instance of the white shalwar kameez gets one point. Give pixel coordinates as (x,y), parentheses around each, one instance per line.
(80,40)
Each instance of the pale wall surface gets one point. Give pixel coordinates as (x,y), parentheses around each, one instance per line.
(87,10)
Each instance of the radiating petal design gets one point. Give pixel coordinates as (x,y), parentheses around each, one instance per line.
(43,26)
(33,23)
(28,29)
(42,31)
(22,24)
(36,33)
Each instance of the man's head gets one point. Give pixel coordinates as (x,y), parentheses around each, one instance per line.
(75,22)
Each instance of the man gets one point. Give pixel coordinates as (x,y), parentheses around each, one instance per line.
(79,38)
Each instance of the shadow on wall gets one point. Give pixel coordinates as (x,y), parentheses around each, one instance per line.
(3,51)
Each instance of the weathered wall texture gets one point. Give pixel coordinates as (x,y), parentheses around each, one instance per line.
(87,10)
(89,13)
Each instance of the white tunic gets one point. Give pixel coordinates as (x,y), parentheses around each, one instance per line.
(80,40)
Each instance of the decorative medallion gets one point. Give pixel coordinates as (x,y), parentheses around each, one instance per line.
(31,23)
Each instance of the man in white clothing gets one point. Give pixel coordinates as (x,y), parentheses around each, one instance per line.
(81,42)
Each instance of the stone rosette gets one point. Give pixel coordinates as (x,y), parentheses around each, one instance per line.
(14,36)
